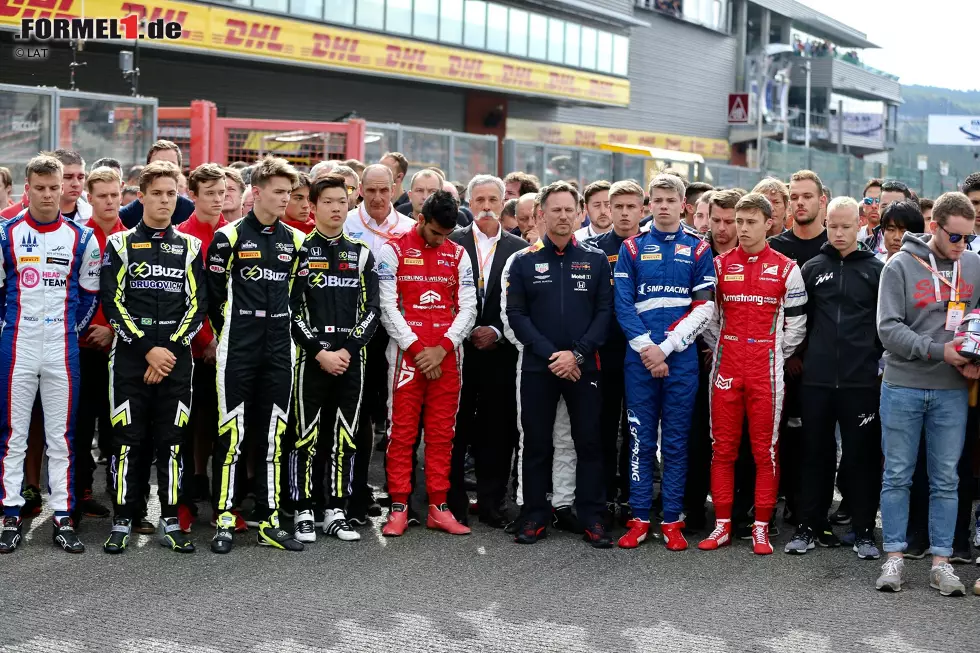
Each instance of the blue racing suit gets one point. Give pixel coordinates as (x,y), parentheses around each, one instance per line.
(664,288)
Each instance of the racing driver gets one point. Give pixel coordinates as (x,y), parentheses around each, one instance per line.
(428,307)
(48,294)
(758,323)
(252,264)
(153,295)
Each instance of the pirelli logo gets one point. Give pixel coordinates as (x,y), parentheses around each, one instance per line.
(29,259)
(651,257)
(613,258)
(734,277)
(142,245)
(249,254)
(319,265)
(413,261)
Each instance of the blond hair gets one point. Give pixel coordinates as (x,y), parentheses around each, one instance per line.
(102,175)
(270,167)
(668,181)
(755,202)
(153,171)
(625,187)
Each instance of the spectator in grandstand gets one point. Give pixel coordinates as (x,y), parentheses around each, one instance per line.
(778,195)
(692,193)
(6,188)
(925,383)
(231,209)
(508,217)
(398,164)
(971,188)
(109,162)
(518,184)
(162,150)
(925,205)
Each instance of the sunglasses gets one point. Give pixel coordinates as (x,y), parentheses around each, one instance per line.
(869,201)
(955,238)
(351,189)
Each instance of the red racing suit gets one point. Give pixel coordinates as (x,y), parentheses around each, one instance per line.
(428,299)
(759,322)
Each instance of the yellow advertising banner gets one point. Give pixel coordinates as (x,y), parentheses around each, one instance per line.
(240,32)
(557,133)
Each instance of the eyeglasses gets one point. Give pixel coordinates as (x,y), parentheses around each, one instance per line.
(955,238)
(868,201)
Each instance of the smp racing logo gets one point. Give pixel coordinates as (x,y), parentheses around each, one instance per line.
(634,424)
(130,28)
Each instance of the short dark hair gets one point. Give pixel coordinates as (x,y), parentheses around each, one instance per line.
(331,180)
(153,171)
(204,174)
(895,186)
(442,208)
(596,187)
(69,158)
(949,204)
(556,187)
(134,173)
(971,183)
(926,204)
(872,183)
(696,189)
(399,158)
(270,167)
(304,181)
(162,145)
(510,208)
(237,165)
(529,183)
(904,214)
(107,162)
(755,202)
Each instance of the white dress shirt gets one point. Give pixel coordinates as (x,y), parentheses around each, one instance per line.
(361,226)
(486,249)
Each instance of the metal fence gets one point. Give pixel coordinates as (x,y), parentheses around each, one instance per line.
(34,119)
(460,155)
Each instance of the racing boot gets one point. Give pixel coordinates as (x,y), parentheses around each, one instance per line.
(11,534)
(118,536)
(636,535)
(565,520)
(185,517)
(271,535)
(169,534)
(441,518)
(224,533)
(335,523)
(721,536)
(304,526)
(64,535)
(674,539)
(760,538)
(397,521)
(598,536)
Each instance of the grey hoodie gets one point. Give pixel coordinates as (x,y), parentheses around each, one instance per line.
(912,324)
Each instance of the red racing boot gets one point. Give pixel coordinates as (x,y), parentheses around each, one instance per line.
(441,518)
(185,517)
(760,539)
(674,540)
(721,536)
(636,535)
(397,521)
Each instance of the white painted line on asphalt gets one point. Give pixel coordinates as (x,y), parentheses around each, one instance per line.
(481,550)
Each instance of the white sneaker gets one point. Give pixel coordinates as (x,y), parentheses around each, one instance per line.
(305,530)
(335,523)
(892,575)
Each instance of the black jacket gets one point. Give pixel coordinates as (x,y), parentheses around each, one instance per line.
(335,300)
(557,301)
(842,300)
(613,352)
(488,302)
(153,289)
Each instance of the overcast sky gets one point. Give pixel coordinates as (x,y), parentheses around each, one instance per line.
(932,43)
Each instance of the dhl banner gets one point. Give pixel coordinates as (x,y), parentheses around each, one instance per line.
(238,32)
(557,133)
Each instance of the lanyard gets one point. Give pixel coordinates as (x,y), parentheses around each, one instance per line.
(385,234)
(481,260)
(954,287)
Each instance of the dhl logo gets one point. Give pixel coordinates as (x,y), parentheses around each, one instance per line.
(601,89)
(619,137)
(38,9)
(673,144)
(517,76)
(405,58)
(258,36)
(719,148)
(466,67)
(561,82)
(550,135)
(335,48)
(152,14)
(649,141)
(586,138)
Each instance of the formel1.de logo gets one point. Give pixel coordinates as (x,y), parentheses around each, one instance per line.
(127,28)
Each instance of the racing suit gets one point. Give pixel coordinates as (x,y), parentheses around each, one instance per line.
(335,306)
(428,299)
(664,298)
(48,295)
(559,300)
(251,269)
(153,295)
(759,321)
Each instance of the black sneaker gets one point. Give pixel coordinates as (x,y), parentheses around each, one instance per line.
(32,502)
(625,514)
(743,531)
(839,518)
(916,551)
(598,536)
(373,507)
(773,527)
(513,527)
(565,520)
(11,534)
(530,532)
(64,535)
(144,526)
(961,555)
(413,516)
(801,543)
(271,535)
(118,536)
(170,535)
(224,533)
(357,514)
(89,507)
(827,539)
